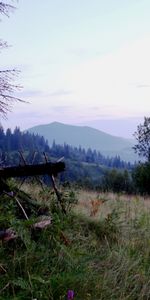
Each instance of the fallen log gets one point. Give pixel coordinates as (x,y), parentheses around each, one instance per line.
(49,168)
(33,170)
(9,234)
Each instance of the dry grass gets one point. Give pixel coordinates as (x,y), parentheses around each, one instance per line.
(99,205)
(101,252)
(32,189)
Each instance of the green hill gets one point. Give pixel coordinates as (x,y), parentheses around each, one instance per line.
(86,137)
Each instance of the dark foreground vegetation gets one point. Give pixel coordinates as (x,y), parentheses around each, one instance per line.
(98,257)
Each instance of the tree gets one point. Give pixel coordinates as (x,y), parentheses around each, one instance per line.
(7,87)
(141,178)
(142,135)
(117,181)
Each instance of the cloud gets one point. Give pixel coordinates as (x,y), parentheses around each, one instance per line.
(143,86)
(60,92)
(111,80)
(115,85)
(84,53)
(60,109)
(20,67)
(30,93)
(29,116)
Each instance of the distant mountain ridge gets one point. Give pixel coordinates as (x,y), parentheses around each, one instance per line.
(86,137)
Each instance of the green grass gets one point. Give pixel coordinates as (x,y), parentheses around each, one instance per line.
(102,257)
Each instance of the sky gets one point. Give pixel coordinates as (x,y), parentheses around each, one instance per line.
(80,61)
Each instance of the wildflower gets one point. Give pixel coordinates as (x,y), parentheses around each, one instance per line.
(70,294)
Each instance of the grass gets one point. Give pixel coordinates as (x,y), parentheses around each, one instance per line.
(130,206)
(100,254)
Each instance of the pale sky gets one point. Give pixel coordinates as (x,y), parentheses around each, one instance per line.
(80,60)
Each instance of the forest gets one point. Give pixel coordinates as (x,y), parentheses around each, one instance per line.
(86,168)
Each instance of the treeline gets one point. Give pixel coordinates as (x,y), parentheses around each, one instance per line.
(17,140)
(85,168)
(27,142)
(88,156)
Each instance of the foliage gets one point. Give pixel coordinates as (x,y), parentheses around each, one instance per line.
(107,258)
(117,181)
(142,136)
(141,178)
(67,194)
(141,173)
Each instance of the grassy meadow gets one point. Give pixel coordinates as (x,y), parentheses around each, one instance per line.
(100,249)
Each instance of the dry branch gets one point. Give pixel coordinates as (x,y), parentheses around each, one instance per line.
(32,170)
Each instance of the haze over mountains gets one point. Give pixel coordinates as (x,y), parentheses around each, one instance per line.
(87,137)
(123,127)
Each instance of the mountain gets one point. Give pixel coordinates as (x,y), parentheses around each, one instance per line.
(124,127)
(87,137)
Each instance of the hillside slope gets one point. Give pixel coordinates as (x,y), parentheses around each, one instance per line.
(86,137)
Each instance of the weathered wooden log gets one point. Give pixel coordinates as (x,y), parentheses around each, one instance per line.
(32,170)
(9,234)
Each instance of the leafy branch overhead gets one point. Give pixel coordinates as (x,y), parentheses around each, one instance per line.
(7,76)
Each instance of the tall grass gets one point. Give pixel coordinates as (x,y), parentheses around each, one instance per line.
(102,255)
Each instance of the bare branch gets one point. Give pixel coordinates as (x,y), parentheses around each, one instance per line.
(6,8)
(7,87)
